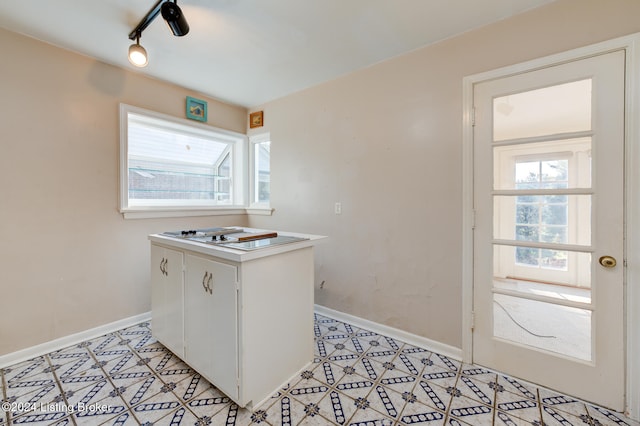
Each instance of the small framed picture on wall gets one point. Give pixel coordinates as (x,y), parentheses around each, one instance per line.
(256,119)
(196,109)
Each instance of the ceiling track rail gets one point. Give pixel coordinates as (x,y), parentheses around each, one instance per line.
(148,19)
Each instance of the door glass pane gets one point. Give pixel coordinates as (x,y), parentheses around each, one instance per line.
(550,327)
(560,274)
(551,110)
(543,289)
(557,164)
(558,219)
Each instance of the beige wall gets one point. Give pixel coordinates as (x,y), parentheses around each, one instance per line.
(386,142)
(68,259)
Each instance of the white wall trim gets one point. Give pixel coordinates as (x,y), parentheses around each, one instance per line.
(404,336)
(72,339)
(632,235)
(222,211)
(468,218)
(143,213)
(631,45)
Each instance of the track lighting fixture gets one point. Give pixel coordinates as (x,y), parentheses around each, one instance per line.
(175,20)
(137,54)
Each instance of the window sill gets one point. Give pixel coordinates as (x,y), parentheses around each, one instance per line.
(142,213)
(260,211)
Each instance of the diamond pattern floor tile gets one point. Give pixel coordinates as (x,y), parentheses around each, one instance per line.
(357,378)
(181,416)
(337,407)
(156,407)
(416,413)
(469,410)
(604,416)
(44,418)
(552,417)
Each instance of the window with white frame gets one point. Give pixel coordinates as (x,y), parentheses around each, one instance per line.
(542,218)
(260,170)
(169,163)
(557,217)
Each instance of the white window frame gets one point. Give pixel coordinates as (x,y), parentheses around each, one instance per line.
(238,147)
(579,210)
(256,206)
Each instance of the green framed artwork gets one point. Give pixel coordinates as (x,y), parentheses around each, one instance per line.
(196,109)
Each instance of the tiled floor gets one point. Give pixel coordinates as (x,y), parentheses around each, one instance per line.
(358,378)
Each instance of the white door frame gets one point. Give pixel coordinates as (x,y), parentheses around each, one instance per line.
(631,44)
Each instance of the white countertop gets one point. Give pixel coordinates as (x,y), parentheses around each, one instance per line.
(238,255)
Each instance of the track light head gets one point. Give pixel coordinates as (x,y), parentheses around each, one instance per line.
(137,54)
(175,19)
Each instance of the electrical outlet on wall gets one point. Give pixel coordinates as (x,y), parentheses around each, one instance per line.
(337,208)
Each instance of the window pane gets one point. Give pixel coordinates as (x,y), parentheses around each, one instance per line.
(223,180)
(560,219)
(171,164)
(152,138)
(554,214)
(527,233)
(562,267)
(556,164)
(527,173)
(554,259)
(551,110)
(147,180)
(546,259)
(574,294)
(262,172)
(527,213)
(554,171)
(553,234)
(555,328)
(527,256)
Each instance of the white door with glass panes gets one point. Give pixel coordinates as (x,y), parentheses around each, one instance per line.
(548,237)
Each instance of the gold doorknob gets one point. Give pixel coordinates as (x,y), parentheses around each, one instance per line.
(608,261)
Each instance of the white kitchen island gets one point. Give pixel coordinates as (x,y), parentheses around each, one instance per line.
(243,319)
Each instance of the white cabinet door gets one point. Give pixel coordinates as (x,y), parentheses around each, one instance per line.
(167,298)
(211,330)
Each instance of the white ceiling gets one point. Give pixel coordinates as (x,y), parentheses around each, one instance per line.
(248,52)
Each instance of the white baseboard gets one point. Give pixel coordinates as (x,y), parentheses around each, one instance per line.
(404,336)
(72,339)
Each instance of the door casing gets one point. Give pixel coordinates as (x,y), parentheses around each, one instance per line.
(631,44)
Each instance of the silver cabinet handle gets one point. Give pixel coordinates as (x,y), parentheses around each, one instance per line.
(206,282)
(209,282)
(204,279)
(163,266)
